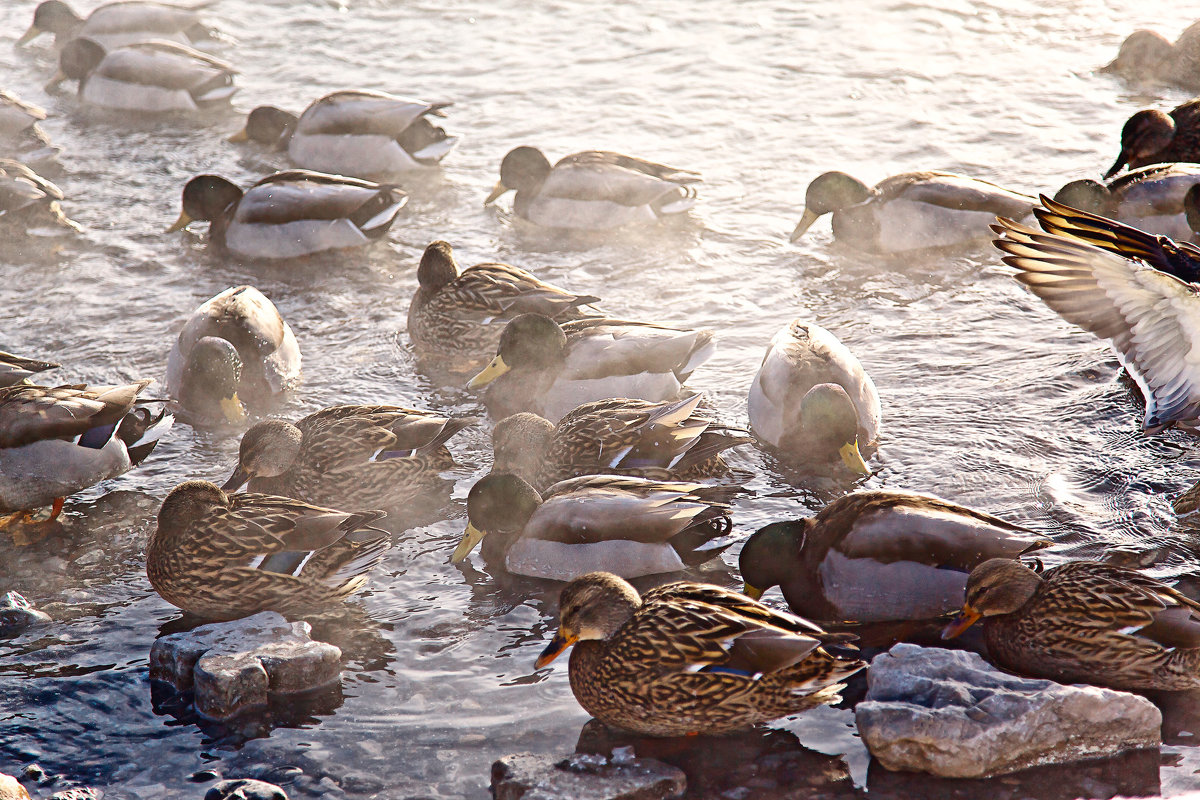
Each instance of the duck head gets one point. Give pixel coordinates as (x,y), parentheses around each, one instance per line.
(829,192)
(51,16)
(437,267)
(1144,56)
(769,556)
(523,169)
(1145,134)
(269,449)
(76,61)
(519,444)
(1087,195)
(499,503)
(531,341)
(825,426)
(267,125)
(205,198)
(210,380)
(997,586)
(591,607)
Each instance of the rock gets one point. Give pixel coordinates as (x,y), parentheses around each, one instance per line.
(584,777)
(78,793)
(245,789)
(234,666)
(10,789)
(950,713)
(16,614)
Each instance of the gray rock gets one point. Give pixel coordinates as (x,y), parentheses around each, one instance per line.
(245,789)
(950,713)
(10,789)
(234,666)
(16,614)
(584,777)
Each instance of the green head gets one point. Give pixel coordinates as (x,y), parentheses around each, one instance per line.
(498,503)
(531,341)
(829,192)
(770,556)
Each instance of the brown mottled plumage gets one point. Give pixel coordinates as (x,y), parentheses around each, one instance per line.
(1152,136)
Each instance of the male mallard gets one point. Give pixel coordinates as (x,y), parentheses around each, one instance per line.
(55,441)
(146,77)
(348,456)
(27,198)
(118,24)
(16,369)
(688,658)
(630,526)
(550,369)
(291,213)
(1154,137)
(878,556)
(457,317)
(910,211)
(1085,622)
(222,556)
(364,134)
(813,400)
(592,190)
(1150,198)
(234,350)
(1149,57)
(621,436)
(21,137)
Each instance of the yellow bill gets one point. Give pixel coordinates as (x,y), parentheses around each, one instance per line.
(240,136)
(471,537)
(965,619)
(853,459)
(29,35)
(806,221)
(53,83)
(753,592)
(554,649)
(489,373)
(497,190)
(233,410)
(181,223)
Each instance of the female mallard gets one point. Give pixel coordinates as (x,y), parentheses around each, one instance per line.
(118,24)
(235,350)
(1150,198)
(1154,137)
(55,441)
(223,556)
(290,214)
(910,211)
(21,137)
(550,369)
(457,317)
(1085,622)
(813,400)
(592,190)
(16,369)
(27,198)
(364,134)
(348,456)
(1149,57)
(146,77)
(630,526)
(672,441)
(687,658)
(878,556)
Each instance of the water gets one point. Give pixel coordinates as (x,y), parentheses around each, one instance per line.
(989,398)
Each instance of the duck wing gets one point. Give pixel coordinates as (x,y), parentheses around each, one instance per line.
(363,112)
(502,290)
(296,194)
(166,64)
(34,413)
(623,180)
(958,192)
(599,347)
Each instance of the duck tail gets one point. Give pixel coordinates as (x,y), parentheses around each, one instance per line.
(141,430)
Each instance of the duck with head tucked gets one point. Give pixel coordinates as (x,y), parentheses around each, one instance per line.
(1148,198)
(117,24)
(1149,57)
(1155,137)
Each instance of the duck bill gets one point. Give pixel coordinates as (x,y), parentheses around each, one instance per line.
(853,459)
(54,82)
(965,619)
(806,221)
(554,649)
(489,373)
(236,480)
(29,35)
(497,190)
(233,409)
(1121,161)
(240,136)
(181,223)
(471,537)
(753,592)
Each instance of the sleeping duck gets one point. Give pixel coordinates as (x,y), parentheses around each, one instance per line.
(910,211)
(117,24)
(366,134)
(290,214)
(592,190)
(1149,198)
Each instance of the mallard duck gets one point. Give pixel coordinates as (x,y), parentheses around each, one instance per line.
(145,78)
(878,556)
(1150,198)
(592,190)
(234,350)
(21,138)
(350,456)
(364,134)
(550,369)
(688,658)
(630,526)
(291,213)
(55,441)
(27,198)
(1084,622)
(910,211)
(1154,137)
(621,436)
(223,556)
(16,369)
(118,24)
(812,399)
(457,317)
(1149,57)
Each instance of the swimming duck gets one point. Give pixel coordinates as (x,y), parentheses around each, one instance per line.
(353,456)
(365,134)
(876,556)
(1147,56)
(27,198)
(118,24)
(812,399)
(687,658)
(223,556)
(550,369)
(1150,198)
(55,441)
(1084,622)
(630,526)
(910,211)
(592,190)
(456,318)
(16,369)
(1154,137)
(234,350)
(674,440)
(21,138)
(290,214)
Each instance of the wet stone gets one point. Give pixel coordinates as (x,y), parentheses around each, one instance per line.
(78,793)
(245,789)
(584,777)
(10,789)
(17,615)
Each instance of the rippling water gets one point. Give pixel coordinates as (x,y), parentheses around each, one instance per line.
(989,398)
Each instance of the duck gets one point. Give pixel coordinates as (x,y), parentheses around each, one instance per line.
(21,138)
(878,556)
(456,317)
(1149,198)
(118,24)
(355,132)
(1152,136)
(813,402)
(59,440)
(626,525)
(26,198)
(290,214)
(223,556)
(154,77)
(1084,622)
(234,351)
(909,211)
(592,190)
(356,456)
(673,440)
(1124,285)
(16,369)
(1149,57)
(689,658)
(551,369)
